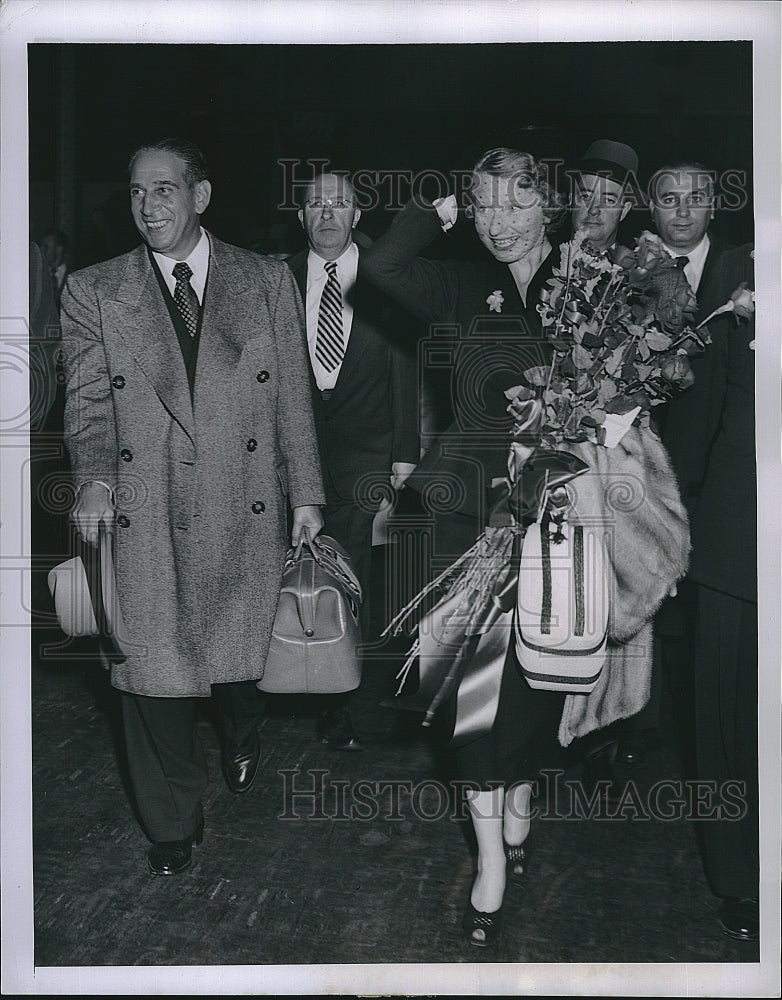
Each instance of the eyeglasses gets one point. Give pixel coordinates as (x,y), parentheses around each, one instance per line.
(336,203)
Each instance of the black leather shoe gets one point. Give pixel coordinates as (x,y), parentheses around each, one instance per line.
(170,857)
(739,918)
(481,929)
(241,762)
(335,730)
(517,856)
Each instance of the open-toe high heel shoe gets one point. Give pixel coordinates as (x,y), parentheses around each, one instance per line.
(481,929)
(517,856)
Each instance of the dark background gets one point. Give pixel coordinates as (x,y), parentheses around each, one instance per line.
(364,107)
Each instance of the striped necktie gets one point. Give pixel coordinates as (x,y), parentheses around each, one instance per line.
(329,344)
(185,297)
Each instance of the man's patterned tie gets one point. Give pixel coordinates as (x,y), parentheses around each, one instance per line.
(682,262)
(329,344)
(185,298)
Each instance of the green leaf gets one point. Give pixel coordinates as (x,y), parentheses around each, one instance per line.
(606,390)
(657,341)
(582,358)
(613,363)
(595,417)
(538,375)
(620,404)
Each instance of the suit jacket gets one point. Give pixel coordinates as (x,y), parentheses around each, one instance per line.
(371,418)
(725,524)
(685,412)
(485,349)
(200,482)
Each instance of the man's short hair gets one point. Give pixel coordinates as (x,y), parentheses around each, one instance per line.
(303,192)
(60,238)
(677,167)
(196,168)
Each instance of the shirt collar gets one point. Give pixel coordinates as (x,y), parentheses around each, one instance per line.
(347,259)
(197,260)
(698,253)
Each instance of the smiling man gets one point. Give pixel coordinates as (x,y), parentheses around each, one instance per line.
(188,419)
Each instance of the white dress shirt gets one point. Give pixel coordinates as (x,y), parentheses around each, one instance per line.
(347,269)
(198,262)
(693,269)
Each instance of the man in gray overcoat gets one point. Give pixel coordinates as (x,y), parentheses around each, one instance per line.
(189,426)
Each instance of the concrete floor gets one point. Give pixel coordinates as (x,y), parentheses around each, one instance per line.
(300,882)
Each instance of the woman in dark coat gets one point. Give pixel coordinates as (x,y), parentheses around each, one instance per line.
(489,305)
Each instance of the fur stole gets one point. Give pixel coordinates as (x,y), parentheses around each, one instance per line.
(632,490)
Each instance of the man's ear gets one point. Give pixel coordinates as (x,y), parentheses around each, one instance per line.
(356,217)
(203,194)
(625,209)
(300,217)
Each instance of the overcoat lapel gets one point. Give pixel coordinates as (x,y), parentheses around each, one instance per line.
(151,338)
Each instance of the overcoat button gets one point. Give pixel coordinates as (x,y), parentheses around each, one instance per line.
(123,521)
(118,382)
(263,376)
(252,444)
(126,455)
(259,507)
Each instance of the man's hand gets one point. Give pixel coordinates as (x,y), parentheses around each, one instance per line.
(308,517)
(399,473)
(93,505)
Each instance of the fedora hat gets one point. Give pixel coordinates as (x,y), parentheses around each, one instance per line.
(609,158)
(84,590)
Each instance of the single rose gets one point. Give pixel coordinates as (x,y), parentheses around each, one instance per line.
(743,300)
(677,370)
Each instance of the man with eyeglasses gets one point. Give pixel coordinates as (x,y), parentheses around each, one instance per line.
(366,406)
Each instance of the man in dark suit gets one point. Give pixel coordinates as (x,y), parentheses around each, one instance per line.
(366,402)
(682,206)
(188,420)
(55,249)
(724,574)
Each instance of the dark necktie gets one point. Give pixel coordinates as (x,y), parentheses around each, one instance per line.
(185,298)
(329,343)
(682,262)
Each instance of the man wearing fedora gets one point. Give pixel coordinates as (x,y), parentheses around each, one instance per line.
(189,425)
(602,190)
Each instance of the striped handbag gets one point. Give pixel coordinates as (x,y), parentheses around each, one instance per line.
(562,605)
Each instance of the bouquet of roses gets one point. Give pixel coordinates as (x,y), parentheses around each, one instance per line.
(621,326)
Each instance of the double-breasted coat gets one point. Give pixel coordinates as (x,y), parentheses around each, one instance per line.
(200,479)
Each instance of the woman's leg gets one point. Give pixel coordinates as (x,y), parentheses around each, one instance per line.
(517,816)
(486,811)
